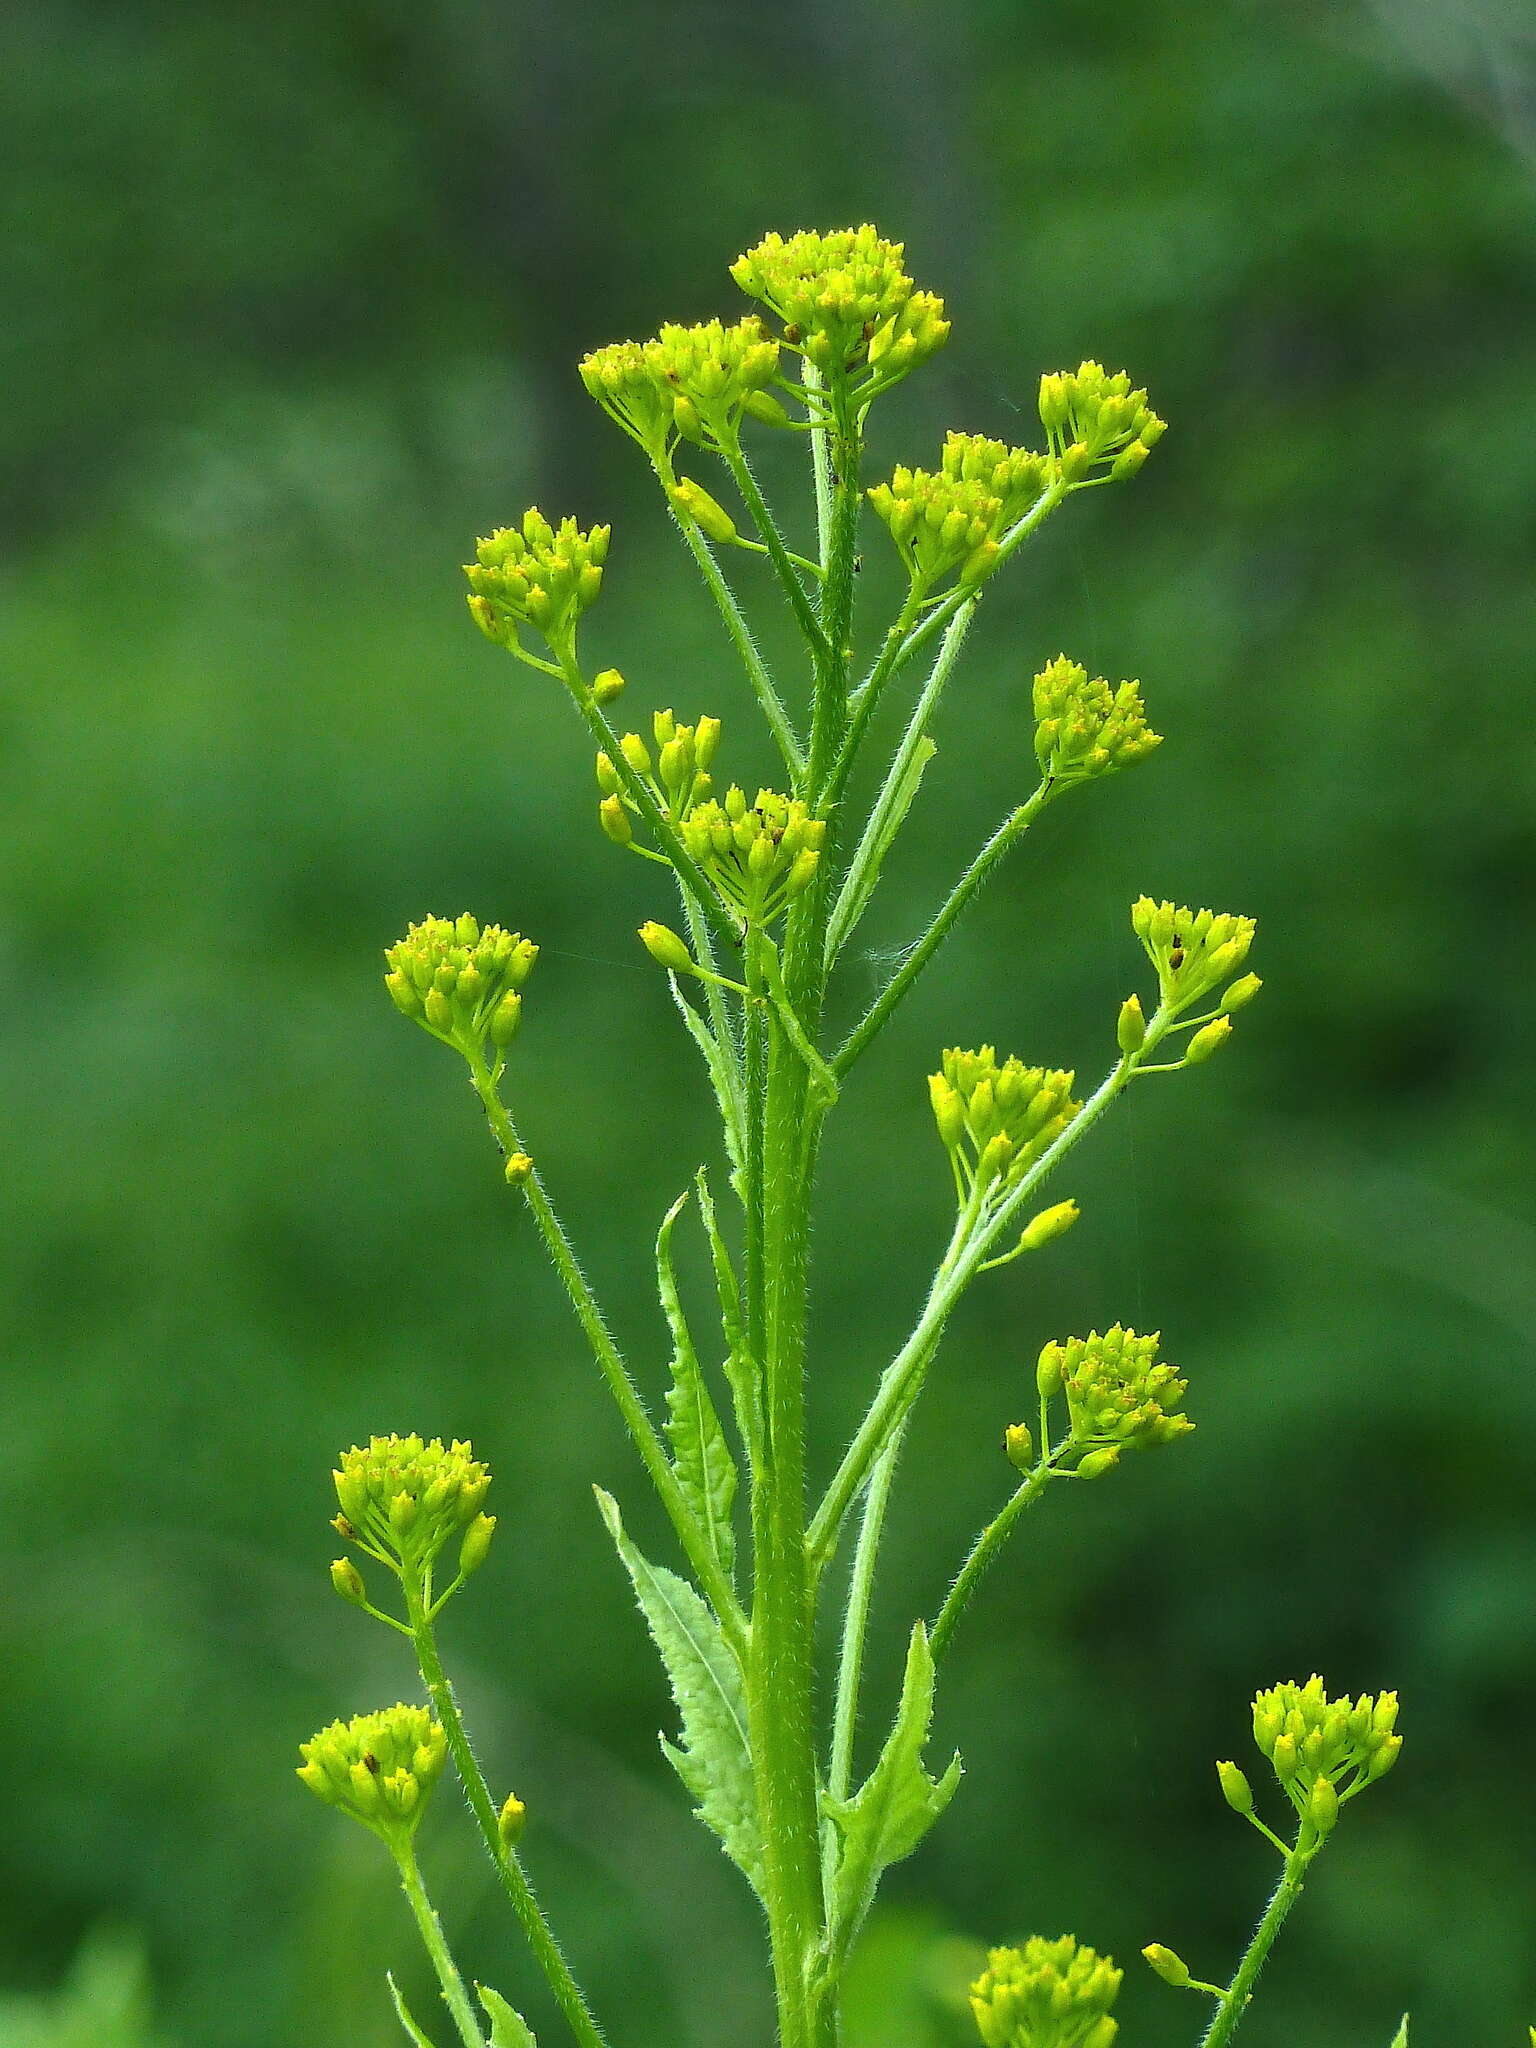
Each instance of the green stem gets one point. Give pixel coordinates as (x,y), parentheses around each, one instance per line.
(525,1905)
(780,1665)
(973,1238)
(772,705)
(821,462)
(984,1552)
(611,1364)
(784,568)
(1234,2002)
(830,712)
(455,1996)
(881,1010)
(861,1586)
(901,643)
(855,891)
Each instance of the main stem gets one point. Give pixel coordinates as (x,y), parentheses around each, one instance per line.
(1235,1999)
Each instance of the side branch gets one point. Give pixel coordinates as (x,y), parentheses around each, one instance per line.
(611,1364)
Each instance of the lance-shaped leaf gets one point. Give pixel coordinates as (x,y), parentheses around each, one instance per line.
(713,1759)
(1400,2038)
(701,1457)
(402,2013)
(892,1810)
(508,2028)
(721,1077)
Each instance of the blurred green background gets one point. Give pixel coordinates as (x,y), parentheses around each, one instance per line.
(293,298)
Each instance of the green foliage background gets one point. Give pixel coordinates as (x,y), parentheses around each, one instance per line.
(293,301)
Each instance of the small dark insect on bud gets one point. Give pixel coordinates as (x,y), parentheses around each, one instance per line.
(1176,957)
(343,1527)
(792,333)
(371,1762)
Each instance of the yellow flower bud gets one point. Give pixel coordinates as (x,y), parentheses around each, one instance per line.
(665,947)
(695,503)
(1019,1445)
(1048,1371)
(512,1821)
(607,685)
(1171,1968)
(1049,1224)
(1210,1038)
(1235,1788)
(1241,992)
(477,1542)
(519,1166)
(614,819)
(1323,1806)
(348,1581)
(1097,1463)
(1131,1027)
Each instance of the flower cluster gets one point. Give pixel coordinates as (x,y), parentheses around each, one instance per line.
(1083,728)
(996,1120)
(378,1768)
(692,382)
(953,519)
(461,982)
(1192,950)
(403,1499)
(1095,420)
(757,855)
(1119,1397)
(845,301)
(1324,1751)
(675,777)
(539,576)
(1047,1994)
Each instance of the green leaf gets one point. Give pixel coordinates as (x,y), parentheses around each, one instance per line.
(403,2013)
(721,1077)
(713,1760)
(1400,2038)
(893,1809)
(701,1457)
(876,844)
(738,1366)
(508,2028)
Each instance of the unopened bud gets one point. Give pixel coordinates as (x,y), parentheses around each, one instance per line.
(1048,1224)
(505,1018)
(1235,1788)
(513,1819)
(636,753)
(1171,1968)
(1210,1039)
(348,1581)
(1131,1029)
(695,503)
(1323,1806)
(763,407)
(1097,1463)
(607,685)
(614,820)
(477,1541)
(1020,1446)
(1048,1371)
(665,947)
(1241,992)
(519,1166)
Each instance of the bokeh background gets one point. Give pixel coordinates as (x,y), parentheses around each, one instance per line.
(293,297)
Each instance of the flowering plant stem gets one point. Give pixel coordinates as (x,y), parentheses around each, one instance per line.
(504,1856)
(455,1996)
(1236,1997)
(772,890)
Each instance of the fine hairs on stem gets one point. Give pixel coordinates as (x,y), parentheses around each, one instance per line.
(812,1790)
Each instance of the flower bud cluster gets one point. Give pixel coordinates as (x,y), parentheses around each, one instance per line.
(1119,1397)
(539,576)
(1192,950)
(1047,1994)
(461,982)
(846,303)
(674,773)
(403,1499)
(941,525)
(1083,728)
(692,382)
(379,1768)
(1094,420)
(758,855)
(996,1120)
(1324,1751)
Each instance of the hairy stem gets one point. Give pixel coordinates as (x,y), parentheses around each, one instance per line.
(763,685)
(880,1012)
(983,1553)
(861,1586)
(455,1996)
(530,1915)
(611,1364)
(1234,2001)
